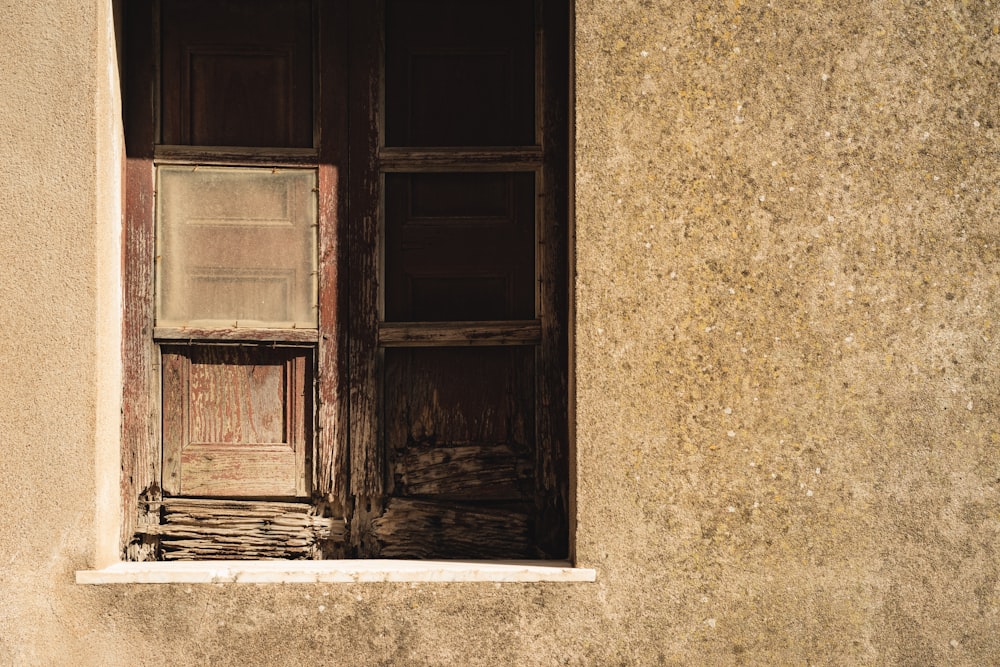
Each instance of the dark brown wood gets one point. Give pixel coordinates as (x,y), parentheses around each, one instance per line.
(433,334)
(459,422)
(551,525)
(473,449)
(367,472)
(459,395)
(459,246)
(425,529)
(140,457)
(332,462)
(248,335)
(459,73)
(460,159)
(237,155)
(464,472)
(571,437)
(226,529)
(237,73)
(480,423)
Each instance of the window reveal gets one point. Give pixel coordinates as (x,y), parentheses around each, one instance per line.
(359,315)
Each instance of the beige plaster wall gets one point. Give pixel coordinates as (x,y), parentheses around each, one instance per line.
(788,396)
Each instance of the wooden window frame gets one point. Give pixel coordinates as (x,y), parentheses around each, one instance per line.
(348,458)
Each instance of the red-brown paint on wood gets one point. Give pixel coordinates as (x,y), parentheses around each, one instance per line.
(234,421)
(140,448)
(241,334)
(236,155)
(238,73)
(332,460)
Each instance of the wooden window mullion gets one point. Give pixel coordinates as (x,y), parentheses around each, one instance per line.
(332,462)
(367,471)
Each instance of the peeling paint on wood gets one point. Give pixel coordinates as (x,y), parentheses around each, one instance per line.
(222,529)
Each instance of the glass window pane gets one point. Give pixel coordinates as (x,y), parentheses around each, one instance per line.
(236,247)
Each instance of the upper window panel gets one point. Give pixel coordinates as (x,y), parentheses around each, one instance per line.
(237,73)
(459,246)
(460,73)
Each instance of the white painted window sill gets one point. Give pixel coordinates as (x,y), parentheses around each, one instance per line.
(334,571)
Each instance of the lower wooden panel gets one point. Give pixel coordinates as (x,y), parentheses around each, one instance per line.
(197,529)
(459,395)
(261,470)
(425,529)
(464,472)
(237,421)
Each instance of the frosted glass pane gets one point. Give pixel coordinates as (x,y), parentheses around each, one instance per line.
(236,247)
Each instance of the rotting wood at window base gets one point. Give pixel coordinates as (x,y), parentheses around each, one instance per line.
(198,529)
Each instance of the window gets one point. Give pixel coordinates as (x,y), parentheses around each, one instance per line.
(346,280)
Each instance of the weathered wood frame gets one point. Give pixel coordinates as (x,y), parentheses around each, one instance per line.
(142,494)
(548,160)
(349,464)
(295,364)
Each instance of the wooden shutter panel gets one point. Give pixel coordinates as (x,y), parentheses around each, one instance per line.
(236,421)
(237,73)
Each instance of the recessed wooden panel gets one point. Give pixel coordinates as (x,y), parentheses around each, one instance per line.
(459,297)
(239,98)
(237,73)
(467,196)
(460,73)
(459,396)
(236,421)
(233,402)
(459,247)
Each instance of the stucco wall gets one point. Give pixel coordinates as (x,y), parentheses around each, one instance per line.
(788,396)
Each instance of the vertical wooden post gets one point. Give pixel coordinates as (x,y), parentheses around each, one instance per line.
(367,460)
(140,451)
(552,453)
(332,392)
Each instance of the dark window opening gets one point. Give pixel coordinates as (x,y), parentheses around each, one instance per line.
(346,301)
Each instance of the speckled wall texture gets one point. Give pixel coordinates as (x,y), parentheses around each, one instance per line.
(787,359)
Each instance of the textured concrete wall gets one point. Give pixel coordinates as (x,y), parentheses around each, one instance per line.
(788,396)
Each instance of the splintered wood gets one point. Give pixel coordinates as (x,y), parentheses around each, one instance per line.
(426,529)
(225,529)
(487,472)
